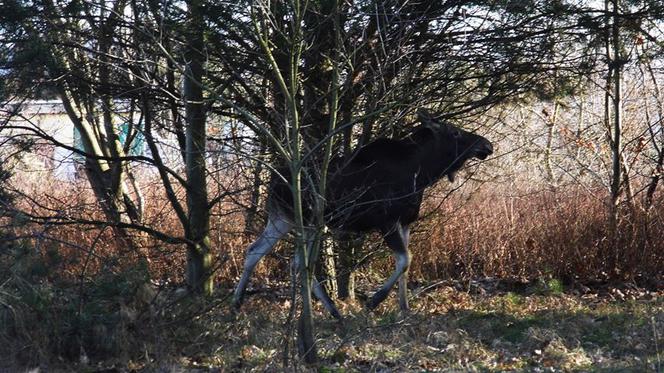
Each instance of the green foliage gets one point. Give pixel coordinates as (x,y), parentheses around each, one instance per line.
(25,55)
(514,299)
(123,284)
(555,286)
(551,286)
(5,196)
(55,317)
(13,14)
(492,325)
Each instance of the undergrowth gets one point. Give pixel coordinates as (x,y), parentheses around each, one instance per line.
(560,234)
(71,295)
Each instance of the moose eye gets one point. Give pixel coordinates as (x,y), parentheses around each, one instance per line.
(456,133)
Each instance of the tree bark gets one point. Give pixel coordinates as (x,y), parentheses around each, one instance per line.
(548,151)
(345,265)
(616,144)
(254,198)
(199,258)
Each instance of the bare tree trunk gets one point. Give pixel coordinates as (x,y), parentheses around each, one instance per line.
(289,87)
(617,114)
(254,199)
(304,248)
(658,143)
(327,263)
(345,265)
(306,341)
(105,170)
(116,203)
(199,258)
(549,143)
(613,119)
(627,182)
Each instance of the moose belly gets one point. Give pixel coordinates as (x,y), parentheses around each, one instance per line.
(375,212)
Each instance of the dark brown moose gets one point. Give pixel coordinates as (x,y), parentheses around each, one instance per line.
(380,189)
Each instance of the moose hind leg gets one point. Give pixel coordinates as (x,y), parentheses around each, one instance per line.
(328,303)
(403,280)
(317,288)
(397,239)
(275,229)
(319,291)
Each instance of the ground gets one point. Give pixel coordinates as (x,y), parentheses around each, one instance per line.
(453,327)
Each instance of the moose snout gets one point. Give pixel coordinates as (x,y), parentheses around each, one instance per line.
(484,149)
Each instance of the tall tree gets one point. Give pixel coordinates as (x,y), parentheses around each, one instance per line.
(199,268)
(96,57)
(71,47)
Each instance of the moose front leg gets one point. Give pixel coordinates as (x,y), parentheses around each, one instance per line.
(397,239)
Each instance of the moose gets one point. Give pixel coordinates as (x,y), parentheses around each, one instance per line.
(379,188)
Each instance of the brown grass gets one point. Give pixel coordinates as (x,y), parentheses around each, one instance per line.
(73,293)
(562,233)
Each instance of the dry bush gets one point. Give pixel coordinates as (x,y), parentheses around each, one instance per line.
(474,232)
(83,288)
(562,233)
(72,250)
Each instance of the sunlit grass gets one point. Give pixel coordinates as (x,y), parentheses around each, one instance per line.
(500,332)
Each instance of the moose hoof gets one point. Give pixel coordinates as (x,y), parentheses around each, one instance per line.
(236,303)
(335,313)
(376,299)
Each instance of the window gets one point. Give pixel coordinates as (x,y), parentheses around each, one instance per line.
(135,135)
(126,132)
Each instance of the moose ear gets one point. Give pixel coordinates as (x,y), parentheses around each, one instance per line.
(425,117)
(429,128)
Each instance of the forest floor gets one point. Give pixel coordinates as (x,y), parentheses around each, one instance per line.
(480,326)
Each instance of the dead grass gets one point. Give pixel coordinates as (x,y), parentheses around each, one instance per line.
(452,330)
(449,330)
(529,292)
(560,234)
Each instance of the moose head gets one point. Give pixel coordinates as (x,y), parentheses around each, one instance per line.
(445,148)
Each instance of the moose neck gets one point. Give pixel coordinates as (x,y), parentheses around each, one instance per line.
(434,162)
